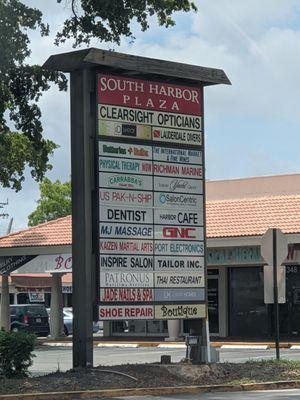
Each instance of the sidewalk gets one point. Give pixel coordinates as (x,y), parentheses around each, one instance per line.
(159,342)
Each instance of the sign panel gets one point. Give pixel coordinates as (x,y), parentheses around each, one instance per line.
(170,154)
(181,248)
(178,264)
(123,150)
(187,136)
(119,262)
(125,246)
(172,217)
(132,92)
(126,312)
(126,215)
(151,206)
(189,294)
(189,233)
(125,181)
(126,279)
(186,311)
(146,117)
(124,130)
(178,280)
(178,185)
(125,166)
(126,295)
(126,198)
(135,231)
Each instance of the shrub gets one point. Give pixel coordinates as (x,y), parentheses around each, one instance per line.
(16,353)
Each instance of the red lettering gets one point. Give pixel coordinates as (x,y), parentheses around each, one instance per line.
(175,233)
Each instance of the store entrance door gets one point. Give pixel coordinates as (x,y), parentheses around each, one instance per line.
(289,313)
(213,301)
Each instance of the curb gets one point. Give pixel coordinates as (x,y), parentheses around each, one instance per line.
(84,394)
(244,347)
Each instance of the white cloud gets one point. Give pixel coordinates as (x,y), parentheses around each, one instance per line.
(256,42)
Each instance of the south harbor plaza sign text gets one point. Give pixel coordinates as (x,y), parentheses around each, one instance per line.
(137,157)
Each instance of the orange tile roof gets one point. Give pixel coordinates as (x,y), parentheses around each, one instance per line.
(252,216)
(56,232)
(225,218)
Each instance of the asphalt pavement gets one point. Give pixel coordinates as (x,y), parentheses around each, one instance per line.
(291,394)
(49,359)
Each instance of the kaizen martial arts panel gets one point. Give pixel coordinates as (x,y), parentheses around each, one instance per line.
(126,246)
(151,207)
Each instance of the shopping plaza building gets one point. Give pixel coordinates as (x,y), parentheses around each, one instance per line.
(238,213)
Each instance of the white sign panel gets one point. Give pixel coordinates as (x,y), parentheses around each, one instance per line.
(126,312)
(178,264)
(49,263)
(178,185)
(161,134)
(189,233)
(148,117)
(123,150)
(126,198)
(135,231)
(269,284)
(128,295)
(126,215)
(168,280)
(175,217)
(177,170)
(175,155)
(108,164)
(124,246)
(118,262)
(125,181)
(126,279)
(181,248)
(177,311)
(190,202)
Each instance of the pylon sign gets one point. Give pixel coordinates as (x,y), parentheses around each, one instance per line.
(151,202)
(268,247)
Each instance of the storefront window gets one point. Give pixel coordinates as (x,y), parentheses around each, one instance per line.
(247,312)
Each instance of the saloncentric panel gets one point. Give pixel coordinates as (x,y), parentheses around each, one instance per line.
(151,233)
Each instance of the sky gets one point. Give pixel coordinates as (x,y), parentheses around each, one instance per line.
(251,127)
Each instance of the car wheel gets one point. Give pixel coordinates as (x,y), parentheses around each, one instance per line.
(66,332)
(15,329)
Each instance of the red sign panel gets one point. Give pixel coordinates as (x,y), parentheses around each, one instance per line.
(149,95)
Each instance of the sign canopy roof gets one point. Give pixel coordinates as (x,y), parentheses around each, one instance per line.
(92,57)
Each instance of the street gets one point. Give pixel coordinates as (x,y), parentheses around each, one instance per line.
(291,394)
(49,359)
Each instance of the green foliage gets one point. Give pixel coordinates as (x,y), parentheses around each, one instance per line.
(21,85)
(55,202)
(16,353)
(109,20)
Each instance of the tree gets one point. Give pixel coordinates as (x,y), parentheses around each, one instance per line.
(21,85)
(54,202)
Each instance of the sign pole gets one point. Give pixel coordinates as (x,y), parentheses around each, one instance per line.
(276,308)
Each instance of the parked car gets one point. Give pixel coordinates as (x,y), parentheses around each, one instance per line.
(31,318)
(68,321)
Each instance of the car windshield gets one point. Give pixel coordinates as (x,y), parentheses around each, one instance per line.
(37,310)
